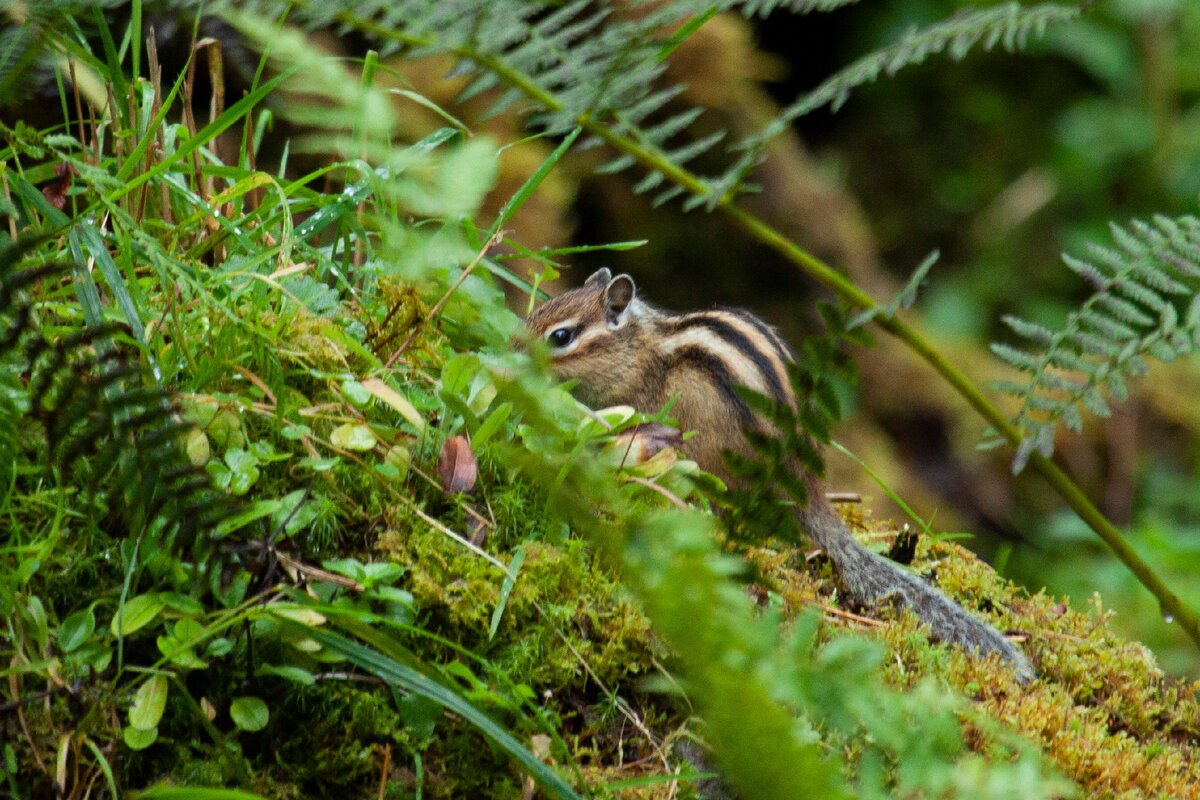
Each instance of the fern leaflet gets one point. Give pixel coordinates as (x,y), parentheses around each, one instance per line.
(1145,305)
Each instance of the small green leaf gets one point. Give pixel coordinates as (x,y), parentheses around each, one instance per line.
(218,647)
(296,674)
(249,713)
(188,631)
(76,629)
(137,613)
(458,372)
(398,458)
(491,425)
(352,568)
(356,393)
(388,471)
(251,512)
(149,703)
(296,432)
(353,436)
(392,594)
(295,512)
(196,446)
(34,615)
(244,466)
(161,792)
(136,739)
(319,464)
(178,653)
(182,603)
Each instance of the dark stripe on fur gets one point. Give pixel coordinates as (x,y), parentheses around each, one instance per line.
(781,347)
(743,344)
(703,360)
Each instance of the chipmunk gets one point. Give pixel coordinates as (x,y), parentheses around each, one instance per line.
(624,351)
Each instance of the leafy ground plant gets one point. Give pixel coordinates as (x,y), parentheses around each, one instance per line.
(429,560)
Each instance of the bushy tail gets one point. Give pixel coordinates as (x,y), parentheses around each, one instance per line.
(871,579)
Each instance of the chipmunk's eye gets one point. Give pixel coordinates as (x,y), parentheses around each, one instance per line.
(561,337)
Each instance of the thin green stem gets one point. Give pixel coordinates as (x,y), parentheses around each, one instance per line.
(652,158)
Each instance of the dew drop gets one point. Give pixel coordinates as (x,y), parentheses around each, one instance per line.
(1168,618)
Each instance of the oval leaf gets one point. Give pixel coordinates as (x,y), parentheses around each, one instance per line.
(148,703)
(138,739)
(76,629)
(249,713)
(197,448)
(396,400)
(296,674)
(138,612)
(353,436)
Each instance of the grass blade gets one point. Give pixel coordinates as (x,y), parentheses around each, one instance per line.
(411,680)
(531,184)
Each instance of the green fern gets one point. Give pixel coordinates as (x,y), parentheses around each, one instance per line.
(1133,314)
(580,60)
(1009,25)
(104,429)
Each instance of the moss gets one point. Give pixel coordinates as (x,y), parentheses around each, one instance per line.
(1101,709)
(572,643)
(346,730)
(566,618)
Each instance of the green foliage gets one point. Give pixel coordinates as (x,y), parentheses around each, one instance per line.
(1098,125)
(1144,304)
(104,429)
(579,61)
(326,335)
(737,666)
(176,632)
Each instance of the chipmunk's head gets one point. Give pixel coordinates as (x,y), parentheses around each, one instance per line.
(592,334)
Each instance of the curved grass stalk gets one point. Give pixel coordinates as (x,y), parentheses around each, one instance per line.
(655,160)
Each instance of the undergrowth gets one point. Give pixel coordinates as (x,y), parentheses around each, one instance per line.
(423,568)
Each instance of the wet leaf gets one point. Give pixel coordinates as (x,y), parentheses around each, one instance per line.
(457,466)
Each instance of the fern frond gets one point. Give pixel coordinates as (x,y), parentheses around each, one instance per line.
(582,60)
(1134,314)
(22,48)
(104,428)
(765,7)
(1010,25)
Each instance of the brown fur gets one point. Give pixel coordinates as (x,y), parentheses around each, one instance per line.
(624,351)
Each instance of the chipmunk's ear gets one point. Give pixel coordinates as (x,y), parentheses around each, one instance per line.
(598,279)
(618,295)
